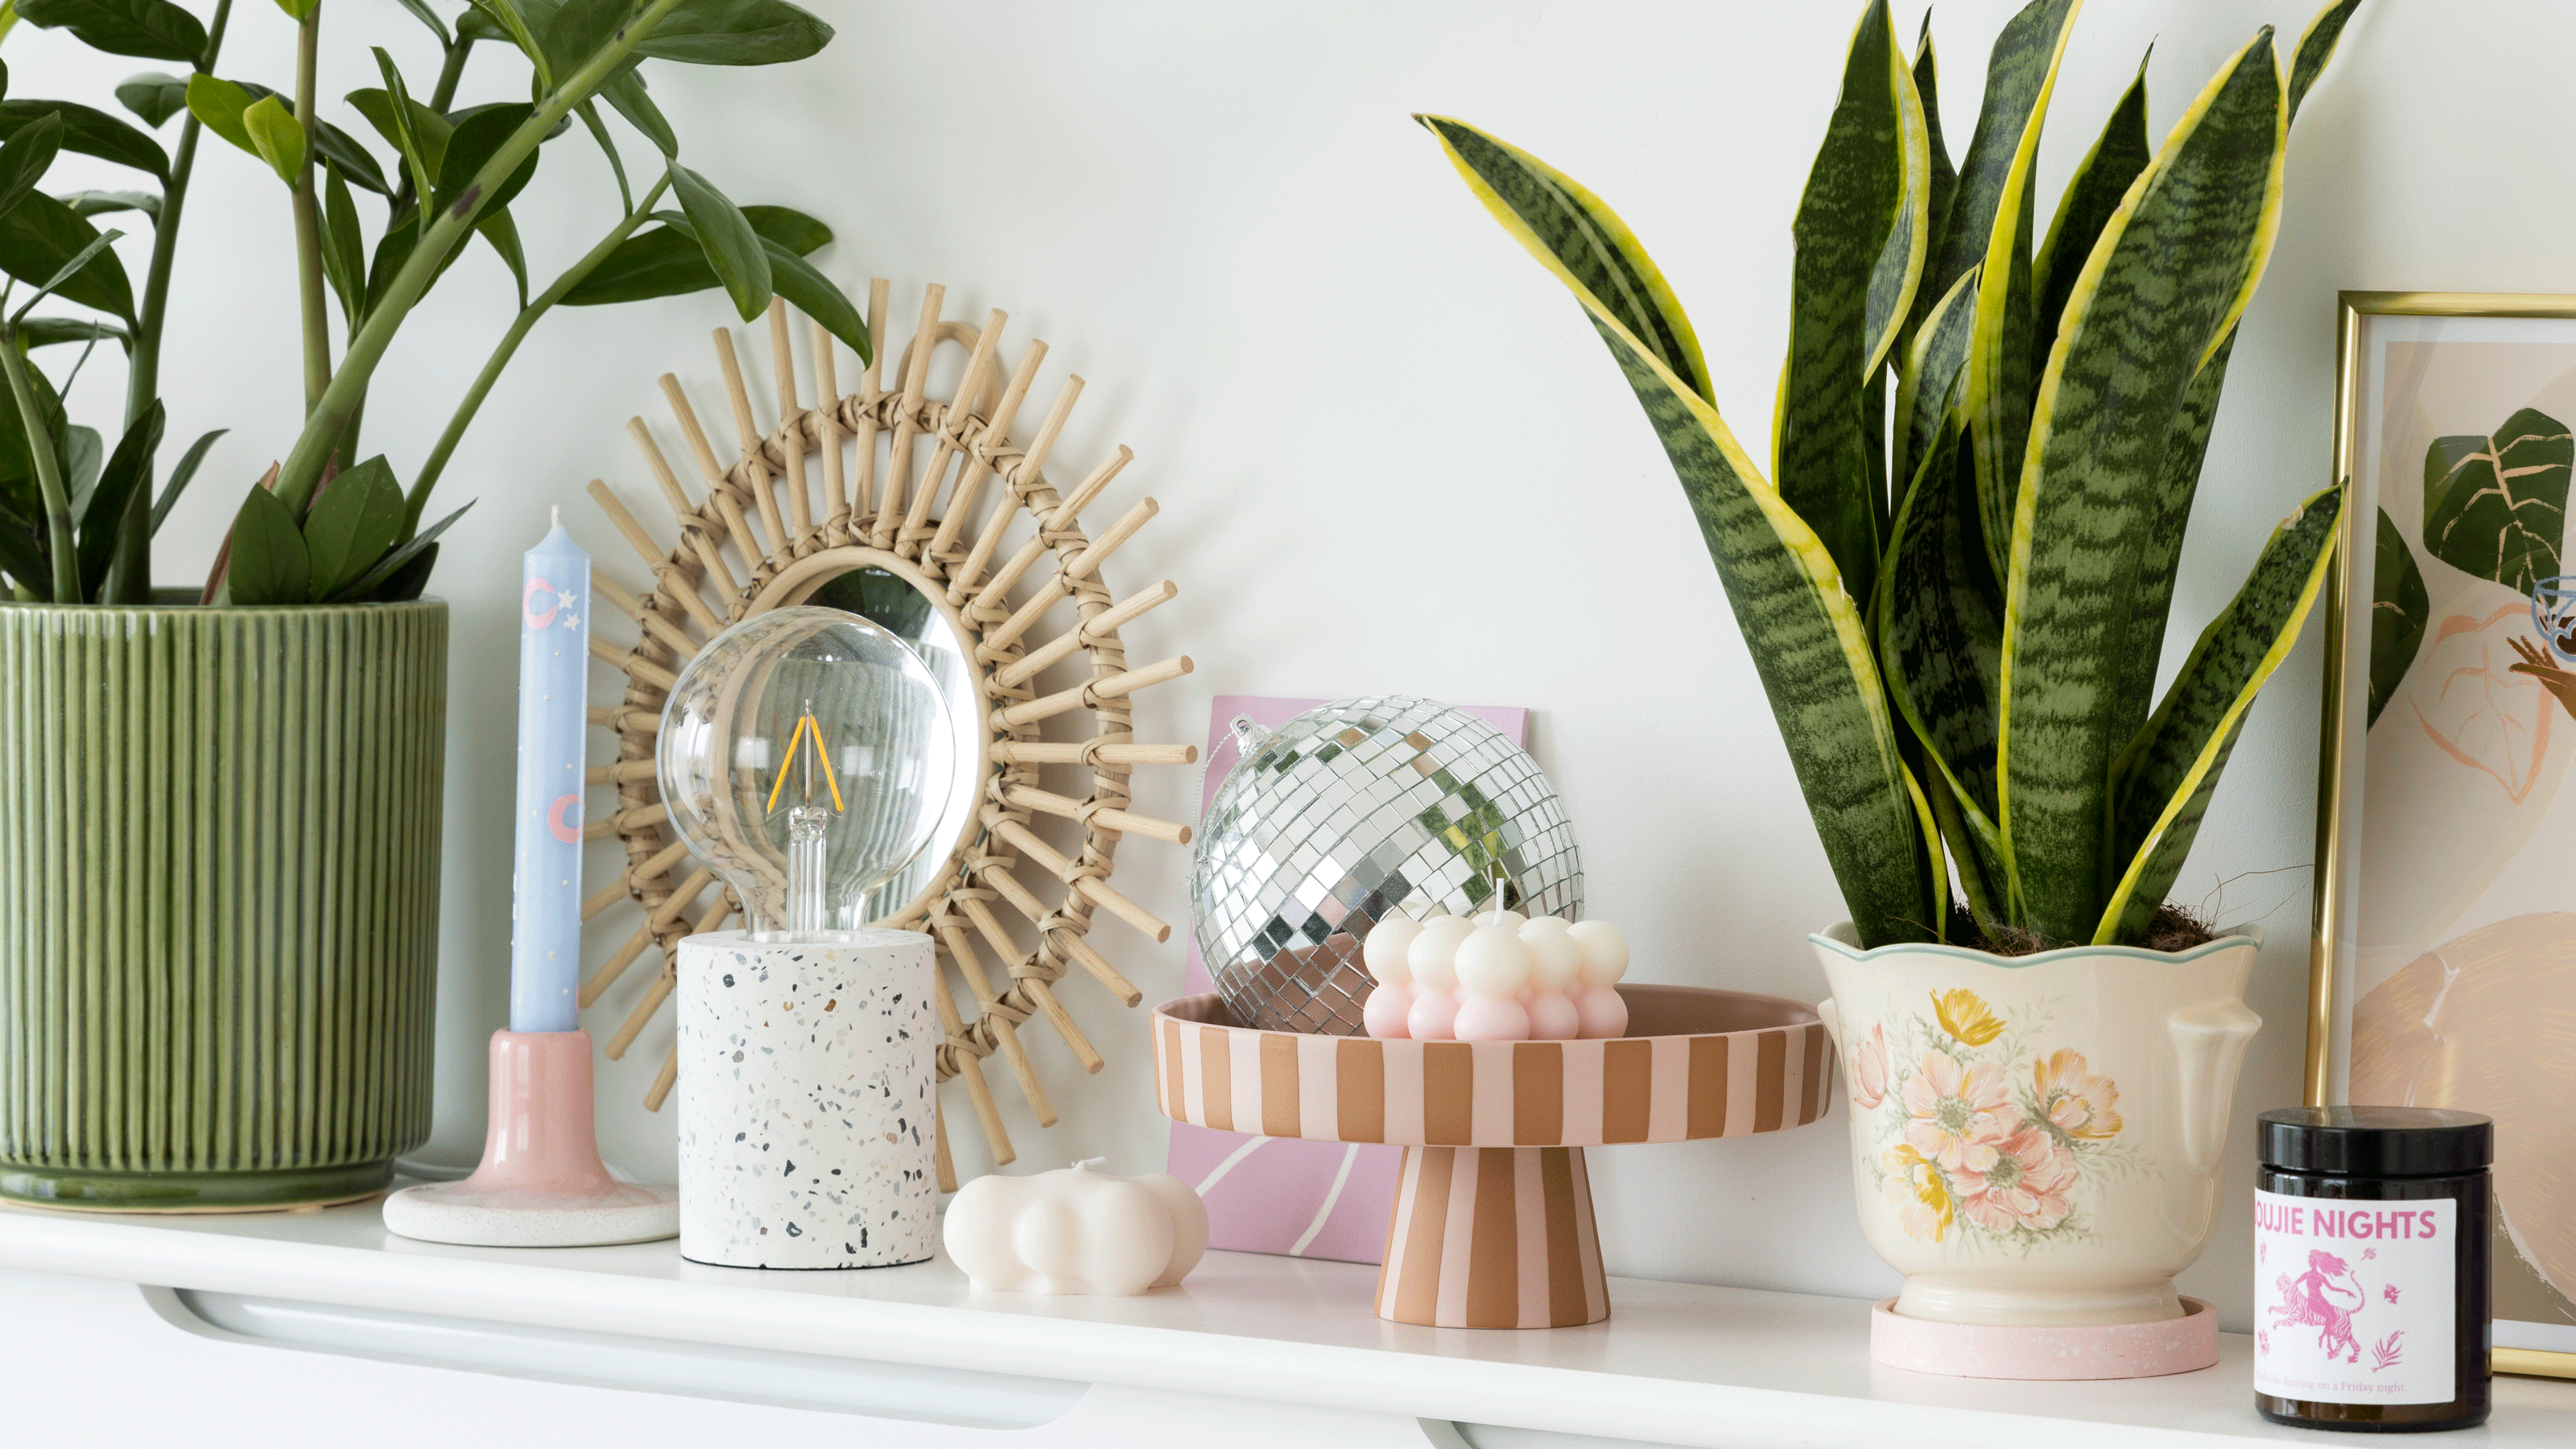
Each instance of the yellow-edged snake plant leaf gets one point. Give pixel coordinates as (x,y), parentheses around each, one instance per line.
(2159,295)
(1945,177)
(1805,633)
(1861,233)
(1925,397)
(2496,506)
(2316,47)
(2162,783)
(2399,608)
(2159,556)
(2092,194)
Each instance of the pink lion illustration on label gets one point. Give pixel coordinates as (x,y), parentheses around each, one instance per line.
(2310,1300)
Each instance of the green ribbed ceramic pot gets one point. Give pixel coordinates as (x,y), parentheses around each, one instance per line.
(218,901)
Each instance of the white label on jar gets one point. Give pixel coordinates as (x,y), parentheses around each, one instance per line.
(2354,1302)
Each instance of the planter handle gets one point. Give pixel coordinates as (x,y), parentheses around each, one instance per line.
(2209,1043)
(1833,1025)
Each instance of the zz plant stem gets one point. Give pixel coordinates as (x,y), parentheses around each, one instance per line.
(302,470)
(143,375)
(537,307)
(49,477)
(308,222)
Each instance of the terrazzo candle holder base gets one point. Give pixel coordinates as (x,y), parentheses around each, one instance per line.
(541,1184)
(806,1126)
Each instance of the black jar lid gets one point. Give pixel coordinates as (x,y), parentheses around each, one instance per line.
(2376,1141)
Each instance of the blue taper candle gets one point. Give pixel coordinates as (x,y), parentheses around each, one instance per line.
(554,686)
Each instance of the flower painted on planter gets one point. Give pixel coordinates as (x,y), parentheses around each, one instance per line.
(2025,1187)
(1956,1115)
(2074,1101)
(1869,1070)
(1964,1015)
(1923,1206)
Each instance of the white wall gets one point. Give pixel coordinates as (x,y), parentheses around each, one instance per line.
(1390,453)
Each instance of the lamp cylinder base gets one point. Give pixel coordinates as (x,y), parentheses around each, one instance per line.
(541,1184)
(806,1109)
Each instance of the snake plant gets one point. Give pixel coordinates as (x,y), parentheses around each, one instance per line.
(1956,596)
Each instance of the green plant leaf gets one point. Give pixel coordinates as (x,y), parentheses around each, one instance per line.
(50,331)
(1945,176)
(598,129)
(426,16)
(1808,641)
(735,32)
(403,566)
(2399,609)
(392,250)
(17,462)
(505,15)
(154,95)
(666,260)
(477,138)
(2316,47)
(352,525)
(2158,297)
(2166,511)
(270,564)
(275,135)
(99,203)
(127,470)
(417,133)
(65,273)
(180,476)
(2162,783)
(299,10)
(626,93)
(341,152)
(40,236)
(577,30)
(2092,194)
(2495,506)
(344,250)
(497,228)
(24,159)
(91,133)
(1866,200)
(22,556)
(1925,397)
(218,105)
(732,248)
(817,296)
(146,29)
(84,454)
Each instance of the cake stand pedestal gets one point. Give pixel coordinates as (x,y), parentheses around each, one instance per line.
(1493,1222)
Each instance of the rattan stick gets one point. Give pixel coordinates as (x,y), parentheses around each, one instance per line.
(943,1170)
(626,719)
(1098,965)
(782,360)
(654,624)
(1044,443)
(994,932)
(827,428)
(982,916)
(998,639)
(755,467)
(663,1079)
(681,899)
(961,949)
(977,1089)
(979,464)
(634,664)
(1099,892)
(754,546)
(960,412)
(615,966)
(1085,563)
(1090,488)
(1095,630)
(925,339)
(862,482)
(672,493)
(1062,1021)
(626,822)
(620,773)
(1007,886)
(964,579)
(654,996)
(668,574)
(1003,581)
(1014,752)
(1047,802)
(619,889)
(1047,706)
(699,447)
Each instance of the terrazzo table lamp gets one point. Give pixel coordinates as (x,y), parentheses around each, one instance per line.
(541,1183)
(807,756)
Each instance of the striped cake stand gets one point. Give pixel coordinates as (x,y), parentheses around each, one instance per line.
(1493,1219)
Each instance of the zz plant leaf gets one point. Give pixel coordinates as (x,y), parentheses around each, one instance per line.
(270,564)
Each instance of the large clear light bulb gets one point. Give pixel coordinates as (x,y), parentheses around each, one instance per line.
(808,756)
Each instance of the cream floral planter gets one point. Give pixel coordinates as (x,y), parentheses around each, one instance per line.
(2037,1140)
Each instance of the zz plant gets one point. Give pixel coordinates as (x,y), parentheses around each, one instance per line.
(77,518)
(1956,576)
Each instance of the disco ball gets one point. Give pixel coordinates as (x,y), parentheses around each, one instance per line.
(1353,810)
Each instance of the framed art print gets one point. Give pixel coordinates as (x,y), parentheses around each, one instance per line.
(2444,970)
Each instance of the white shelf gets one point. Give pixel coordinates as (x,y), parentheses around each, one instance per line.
(1675,1363)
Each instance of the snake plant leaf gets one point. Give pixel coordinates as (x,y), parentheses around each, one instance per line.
(1925,397)
(2316,47)
(1577,236)
(1866,197)
(2399,609)
(2162,783)
(2092,194)
(2496,506)
(2020,71)
(2159,295)
(1945,176)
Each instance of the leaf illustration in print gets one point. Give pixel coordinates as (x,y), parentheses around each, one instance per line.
(2496,506)
(2398,609)
(2477,706)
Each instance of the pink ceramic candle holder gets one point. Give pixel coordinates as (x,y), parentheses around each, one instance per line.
(1493,1223)
(541,1184)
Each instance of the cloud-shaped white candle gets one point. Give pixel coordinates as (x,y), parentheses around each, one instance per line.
(1076,1231)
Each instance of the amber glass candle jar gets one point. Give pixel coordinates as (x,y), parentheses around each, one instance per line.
(2370,1268)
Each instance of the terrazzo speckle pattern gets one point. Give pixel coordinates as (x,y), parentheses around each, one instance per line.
(805,1124)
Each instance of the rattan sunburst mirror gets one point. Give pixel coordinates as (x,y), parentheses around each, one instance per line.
(971,581)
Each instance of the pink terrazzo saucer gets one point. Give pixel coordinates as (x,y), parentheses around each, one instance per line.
(1988,1351)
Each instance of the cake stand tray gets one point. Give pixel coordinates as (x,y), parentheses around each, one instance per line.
(1493,1222)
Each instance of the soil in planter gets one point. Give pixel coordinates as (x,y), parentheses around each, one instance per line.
(2172,928)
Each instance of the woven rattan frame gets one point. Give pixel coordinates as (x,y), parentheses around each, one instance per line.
(757,541)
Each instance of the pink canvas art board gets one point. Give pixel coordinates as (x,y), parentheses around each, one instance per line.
(1278,1194)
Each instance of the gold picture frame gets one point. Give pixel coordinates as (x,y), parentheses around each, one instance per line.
(2336,941)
